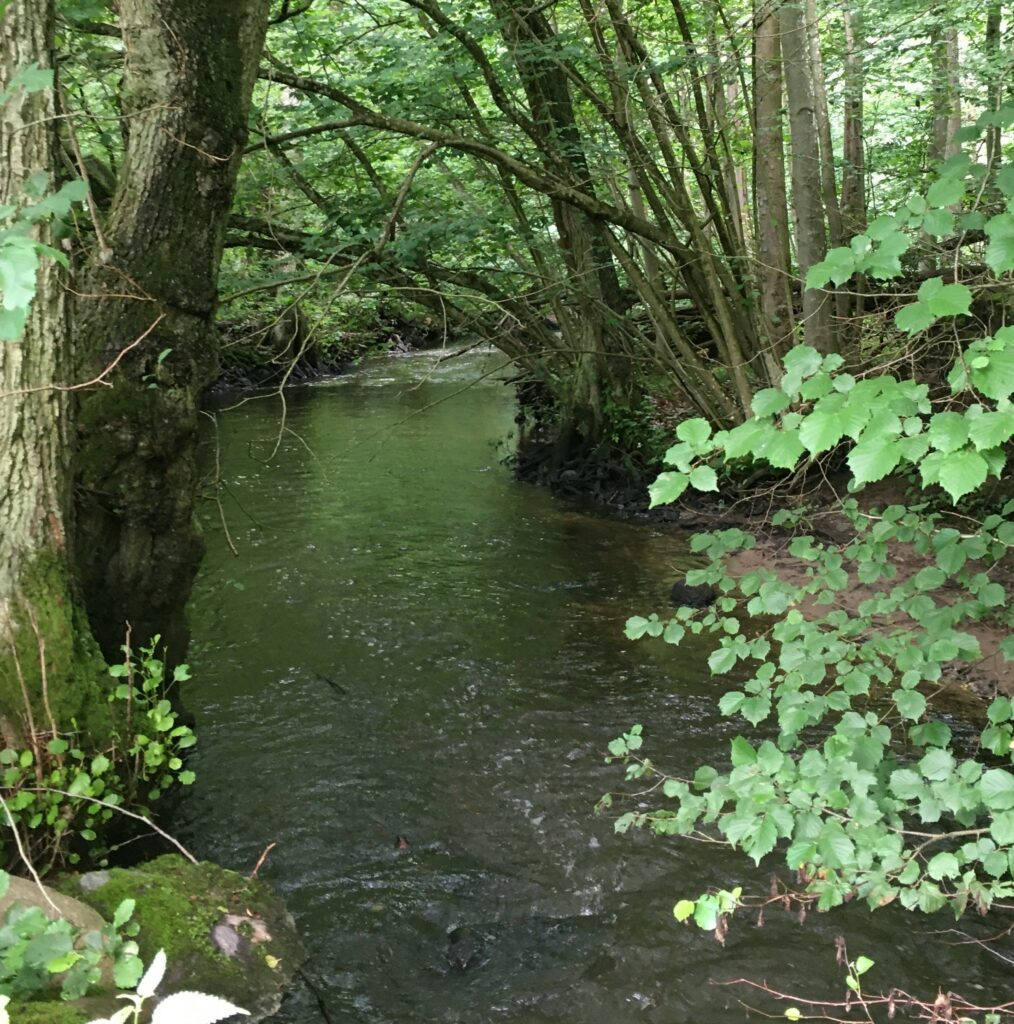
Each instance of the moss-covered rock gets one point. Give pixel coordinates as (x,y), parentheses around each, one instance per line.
(48,1012)
(222,933)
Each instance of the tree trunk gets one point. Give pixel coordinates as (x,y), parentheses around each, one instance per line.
(149,300)
(853,178)
(49,671)
(597,373)
(771,203)
(995,74)
(811,237)
(945,60)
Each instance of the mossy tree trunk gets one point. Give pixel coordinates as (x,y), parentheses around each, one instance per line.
(149,301)
(48,664)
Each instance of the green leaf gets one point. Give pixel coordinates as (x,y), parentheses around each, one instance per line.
(703,478)
(722,660)
(683,910)
(943,865)
(951,300)
(667,488)
(769,401)
(914,318)
(996,379)
(962,473)
(911,704)
(706,913)
(695,431)
(127,971)
(937,765)
(821,431)
(1002,828)
(874,459)
(1000,251)
(946,191)
(783,449)
(800,362)
(124,912)
(997,789)
(991,429)
(938,223)
(948,431)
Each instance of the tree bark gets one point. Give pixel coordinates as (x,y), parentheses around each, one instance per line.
(945,60)
(853,178)
(771,202)
(149,299)
(811,237)
(994,22)
(48,669)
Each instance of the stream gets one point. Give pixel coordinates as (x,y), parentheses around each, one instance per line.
(410,643)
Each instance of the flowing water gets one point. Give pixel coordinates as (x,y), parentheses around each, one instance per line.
(409,643)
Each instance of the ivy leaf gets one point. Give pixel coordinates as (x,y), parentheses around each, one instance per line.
(962,473)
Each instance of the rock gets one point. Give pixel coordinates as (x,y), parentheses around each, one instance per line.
(26,892)
(92,880)
(686,595)
(464,949)
(222,933)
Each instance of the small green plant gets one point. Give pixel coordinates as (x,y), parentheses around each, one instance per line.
(37,953)
(60,794)
(178,1008)
(855,783)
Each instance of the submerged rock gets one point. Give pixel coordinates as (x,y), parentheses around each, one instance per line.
(686,595)
(464,949)
(222,933)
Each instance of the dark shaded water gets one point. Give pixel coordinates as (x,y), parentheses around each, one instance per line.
(471,630)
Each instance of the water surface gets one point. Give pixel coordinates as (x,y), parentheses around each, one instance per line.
(411,643)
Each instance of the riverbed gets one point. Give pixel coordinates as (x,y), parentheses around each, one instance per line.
(409,643)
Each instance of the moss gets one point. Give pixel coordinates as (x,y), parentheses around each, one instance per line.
(178,904)
(47,1012)
(74,669)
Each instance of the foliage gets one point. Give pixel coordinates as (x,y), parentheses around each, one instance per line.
(178,1008)
(20,250)
(35,952)
(65,792)
(853,778)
